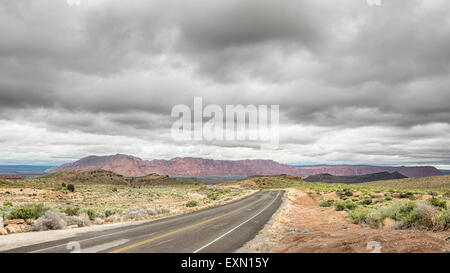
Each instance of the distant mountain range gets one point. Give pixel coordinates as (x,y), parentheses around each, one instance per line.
(198,167)
(354,179)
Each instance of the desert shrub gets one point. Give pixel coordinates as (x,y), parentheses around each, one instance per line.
(81,220)
(359,214)
(443,219)
(340,205)
(447,194)
(162,210)
(401,212)
(404,212)
(109,212)
(114,218)
(326,203)
(409,195)
(437,202)
(138,212)
(63,185)
(426,214)
(50,220)
(366,202)
(71,211)
(7,204)
(348,192)
(191,204)
(31,211)
(114,189)
(213,196)
(71,187)
(433,193)
(350,205)
(374,218)
(388,198)
(91,214)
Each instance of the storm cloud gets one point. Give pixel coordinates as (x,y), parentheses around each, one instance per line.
(355,83)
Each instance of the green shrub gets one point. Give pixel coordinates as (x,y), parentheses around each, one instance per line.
(213,196)
(350,205)
(359,214)
(7,204)
(109,213)
(114,189)
(71,211)
(366,202)
(409,195)
(326,203)
(71,187)
(31,211)
(63,185)
(437,202)
(340,205)
(444,219)
(191,204)
(91,214)
(404,212)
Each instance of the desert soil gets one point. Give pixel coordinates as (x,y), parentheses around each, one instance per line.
(301,226)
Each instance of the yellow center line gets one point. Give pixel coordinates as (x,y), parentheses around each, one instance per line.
(186,228)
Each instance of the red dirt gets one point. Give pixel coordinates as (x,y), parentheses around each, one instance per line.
(311,228)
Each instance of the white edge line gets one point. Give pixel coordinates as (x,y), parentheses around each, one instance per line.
(228,232)
(118,232)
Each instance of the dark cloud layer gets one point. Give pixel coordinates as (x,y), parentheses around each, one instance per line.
(338,70)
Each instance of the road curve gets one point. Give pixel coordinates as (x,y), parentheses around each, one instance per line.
(220,229)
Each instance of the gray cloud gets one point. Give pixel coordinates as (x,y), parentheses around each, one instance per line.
(109,70)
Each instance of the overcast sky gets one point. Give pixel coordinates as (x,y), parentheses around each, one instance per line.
(355,83)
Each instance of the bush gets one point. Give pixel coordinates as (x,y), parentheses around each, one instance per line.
(109,213)
(437,202)
(191,204)
(7,204)
(63,185)
(403,212)
(340,205)
(91,214)
(50,220)
(138,212)
(426,215)
(213,196)
(31,211)
(443,219)
(326,203)
(81,220)
(366,202)
(162,210)
(359,215)
(72,211)
(114,190)
(350,205)
(409,195)
(71,187)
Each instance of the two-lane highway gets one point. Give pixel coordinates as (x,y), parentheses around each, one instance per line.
(219,229)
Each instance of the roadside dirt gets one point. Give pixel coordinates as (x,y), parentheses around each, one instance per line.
(302,226)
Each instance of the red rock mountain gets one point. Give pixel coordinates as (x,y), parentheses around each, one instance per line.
(132,166)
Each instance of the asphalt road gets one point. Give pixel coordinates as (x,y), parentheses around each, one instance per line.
(221,229)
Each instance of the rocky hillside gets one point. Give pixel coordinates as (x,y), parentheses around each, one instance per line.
(354,179)
(356,170)
(132,166)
